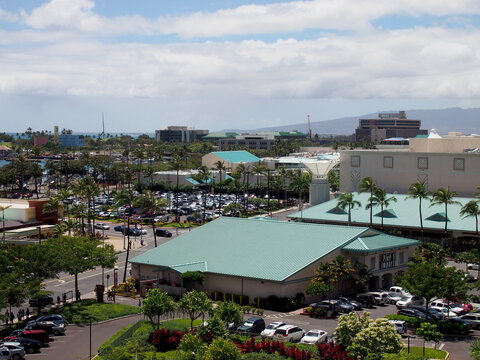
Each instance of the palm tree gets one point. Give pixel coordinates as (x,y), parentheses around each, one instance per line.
(471,209)
(204,175)
(368,185)
(300,185)
(342,267)
(125,197)
(258,170)
(89,189)
(52,204)
(380,199)
(445,197)
(418,191)
(346,200)
(176,164)
(148,202)
(220,166)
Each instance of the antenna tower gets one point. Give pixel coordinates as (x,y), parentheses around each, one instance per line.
(309,128)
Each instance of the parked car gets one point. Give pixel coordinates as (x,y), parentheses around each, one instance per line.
(412,313)
(399,326)
(366,300)
(289,333)
(17,352)
(356,304)
(163,233)
(56,318)
(379,298)
(473,319)
(33,325)
(398,290)
(270,329)
(343,306)
(459,320)
(30,345)
(472,266)
(4,354)
(432,313)
(101,226)
(314,337)
(252,326)
(42,300)
(39,335)
(407,301)
(442,304)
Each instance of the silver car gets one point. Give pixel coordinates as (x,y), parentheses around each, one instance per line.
(16,352)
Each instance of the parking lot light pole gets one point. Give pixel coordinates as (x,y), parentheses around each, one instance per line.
(3,208)
(103,267)
(115,280)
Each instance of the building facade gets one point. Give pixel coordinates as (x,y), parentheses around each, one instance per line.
(179,134)
(388,125)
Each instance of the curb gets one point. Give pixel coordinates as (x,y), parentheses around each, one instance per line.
(106,321)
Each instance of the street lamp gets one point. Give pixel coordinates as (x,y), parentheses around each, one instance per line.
(2,209)
(115,280)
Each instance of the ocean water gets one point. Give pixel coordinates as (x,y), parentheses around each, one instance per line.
(93,134)
(5,162)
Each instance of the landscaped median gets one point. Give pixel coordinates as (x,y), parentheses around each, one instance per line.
(81,311)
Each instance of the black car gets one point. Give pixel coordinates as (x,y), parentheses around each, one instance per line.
(356,304)
(412,313)
(30,345)
(432,313)
(131,231)
(366,300)
(40,301)
(252,326)
(58,319)
(163,233)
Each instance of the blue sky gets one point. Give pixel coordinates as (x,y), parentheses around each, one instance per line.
(231,64)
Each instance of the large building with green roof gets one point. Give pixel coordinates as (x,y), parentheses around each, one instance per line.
(258,258)
(230,159)
(402,214)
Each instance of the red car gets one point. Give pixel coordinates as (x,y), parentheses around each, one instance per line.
(39,335)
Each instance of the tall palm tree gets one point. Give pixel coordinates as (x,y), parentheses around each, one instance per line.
(368,185)
(346,200)
(204,175)
(300,184)
(259,169)
(123,198)
(220,166)
(445,197)
(471,209)
(176,164)
(139,155)
(418,191)
(342,267)
(380,199)
(89,189)
(148,202)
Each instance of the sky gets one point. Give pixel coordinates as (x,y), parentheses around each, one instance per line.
(229,64)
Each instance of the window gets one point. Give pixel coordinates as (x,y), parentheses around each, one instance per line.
(372,262)
(355,161)
(387,261)
(402,257)
(458,164)
(388,162)
(422,163)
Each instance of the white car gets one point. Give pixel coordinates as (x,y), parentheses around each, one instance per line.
(314,337)
(16,352)
(472,266)
(407,301)
(288,333)
(270,329)
(393,297)
(399,326)
(143,231)
(440,305)
(101,226)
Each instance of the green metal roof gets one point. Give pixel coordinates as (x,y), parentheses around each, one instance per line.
(283,133)
(378,242)
(269,250)
(220,135)
(236,156)
(402,213)
(192,181)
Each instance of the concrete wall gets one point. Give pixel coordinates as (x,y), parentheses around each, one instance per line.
(395,171)
(453,144)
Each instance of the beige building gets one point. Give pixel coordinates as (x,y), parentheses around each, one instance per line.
(395,171)
(454,142)
(258,258)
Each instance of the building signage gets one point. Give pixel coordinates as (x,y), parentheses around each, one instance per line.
(387,261)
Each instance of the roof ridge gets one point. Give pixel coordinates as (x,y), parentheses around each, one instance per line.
(362,243)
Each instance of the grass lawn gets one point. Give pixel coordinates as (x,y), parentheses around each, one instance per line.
(417,352)
(179,324)
(76,312)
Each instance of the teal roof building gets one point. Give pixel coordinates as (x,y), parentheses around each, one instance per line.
(400,215)
(231,159)
(253,257)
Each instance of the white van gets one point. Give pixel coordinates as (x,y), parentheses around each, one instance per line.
(410,300)
(473,319)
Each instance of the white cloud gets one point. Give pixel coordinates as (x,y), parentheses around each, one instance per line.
(293,16)
(8,16)
(415,63)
